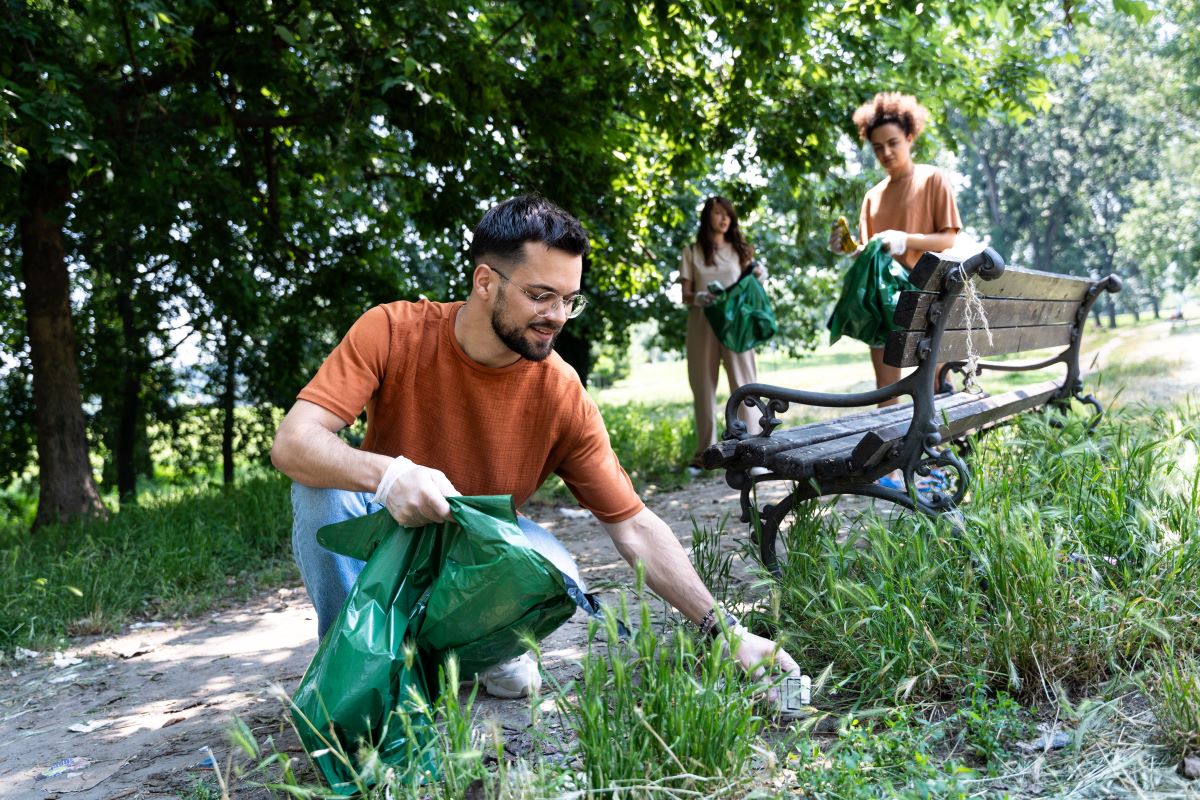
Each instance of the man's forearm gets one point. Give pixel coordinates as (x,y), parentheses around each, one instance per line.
(309,453)
(669,571)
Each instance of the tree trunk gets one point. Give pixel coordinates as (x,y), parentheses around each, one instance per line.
(1154,306)
(66,487)
(131,396)
(228,398)
(1111,307)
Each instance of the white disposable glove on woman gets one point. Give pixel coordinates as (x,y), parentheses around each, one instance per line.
(894,242)
(414,495)
(703,298)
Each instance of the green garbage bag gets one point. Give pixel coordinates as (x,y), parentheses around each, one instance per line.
(870,292)
(473,586)
(741,315)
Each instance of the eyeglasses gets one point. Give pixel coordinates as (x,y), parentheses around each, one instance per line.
(547,303)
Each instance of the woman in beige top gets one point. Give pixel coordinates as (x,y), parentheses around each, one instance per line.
(912,210)
(720,253)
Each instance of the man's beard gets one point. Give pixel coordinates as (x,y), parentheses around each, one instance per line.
(513,335)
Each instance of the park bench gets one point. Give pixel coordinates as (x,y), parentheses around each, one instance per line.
(1025,310)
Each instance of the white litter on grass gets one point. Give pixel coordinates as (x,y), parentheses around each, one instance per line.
(63,660)
(137,626)
(21,654)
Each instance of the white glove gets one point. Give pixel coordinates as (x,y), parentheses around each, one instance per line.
(414,495)
(894,242)
(703,298)
(760,272)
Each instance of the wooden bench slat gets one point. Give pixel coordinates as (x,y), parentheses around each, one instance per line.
(901,347)
(757,450)
(978,413)
(806,458)
(848,425)
(912,312)
(931,270)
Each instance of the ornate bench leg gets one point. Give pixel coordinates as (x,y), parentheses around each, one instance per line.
(765,530)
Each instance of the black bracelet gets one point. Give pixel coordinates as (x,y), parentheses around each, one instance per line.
(708,623)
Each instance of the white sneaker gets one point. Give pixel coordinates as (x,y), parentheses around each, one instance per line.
(511,679)
(694,471)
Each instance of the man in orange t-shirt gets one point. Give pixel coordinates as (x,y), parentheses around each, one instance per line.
(471,398)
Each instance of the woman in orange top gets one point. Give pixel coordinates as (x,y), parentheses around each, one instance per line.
(912,210)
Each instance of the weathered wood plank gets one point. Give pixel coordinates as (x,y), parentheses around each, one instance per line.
(930,272)
(979,413)
(901,347)
(912,312)
(802,440)
(813,433)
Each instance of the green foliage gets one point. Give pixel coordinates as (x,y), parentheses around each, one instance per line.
(653,441)
(894,759)
(1173,686)
(991,721)
(1103,180)
(653,714)
(714,562)
(250,177)
(175,554)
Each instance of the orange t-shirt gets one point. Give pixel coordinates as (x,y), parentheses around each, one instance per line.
(492,431)
(922,202)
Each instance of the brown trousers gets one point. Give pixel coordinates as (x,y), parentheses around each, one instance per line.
(705,355)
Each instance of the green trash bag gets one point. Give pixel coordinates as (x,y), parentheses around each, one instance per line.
(741,315)
(473,586)
(870,291)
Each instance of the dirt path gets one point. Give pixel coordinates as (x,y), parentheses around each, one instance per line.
(133,712)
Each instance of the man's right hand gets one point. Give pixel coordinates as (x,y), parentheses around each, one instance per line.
(414,495)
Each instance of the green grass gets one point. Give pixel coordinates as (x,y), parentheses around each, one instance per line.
(178,552)
(658,714)
(1080,556)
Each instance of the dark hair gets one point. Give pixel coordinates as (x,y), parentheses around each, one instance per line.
(891,108)
(507,226)
(733,235)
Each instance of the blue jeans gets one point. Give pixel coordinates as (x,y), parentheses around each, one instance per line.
(329,576)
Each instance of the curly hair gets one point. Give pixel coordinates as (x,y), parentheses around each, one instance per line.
(894,108)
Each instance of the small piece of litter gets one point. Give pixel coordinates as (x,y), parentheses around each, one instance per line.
(88,727)
(63,660)
(575,513)
(1045,742)
(133,650)
(172,721)
(63,767)
(208,762)
(20,654)
(137,626)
